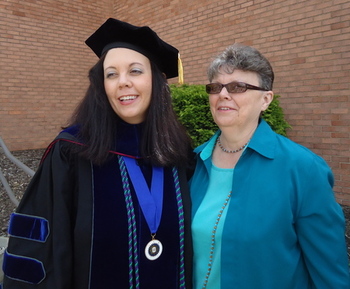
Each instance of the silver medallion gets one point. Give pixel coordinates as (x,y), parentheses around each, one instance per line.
(153,249)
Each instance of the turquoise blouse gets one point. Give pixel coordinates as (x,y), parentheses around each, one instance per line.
(203,224)
(283,228)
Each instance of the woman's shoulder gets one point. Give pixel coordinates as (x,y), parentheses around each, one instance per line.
(291,147)
(298,154)
(279,147)
(69,133)
(63,145)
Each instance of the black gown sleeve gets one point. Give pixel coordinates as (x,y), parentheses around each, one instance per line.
(54,212)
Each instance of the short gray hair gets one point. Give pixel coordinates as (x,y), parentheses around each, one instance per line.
(245,58)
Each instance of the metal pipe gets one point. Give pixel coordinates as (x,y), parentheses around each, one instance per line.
(17,162)
(8,189)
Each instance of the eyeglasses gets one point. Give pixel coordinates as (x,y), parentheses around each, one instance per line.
(232,87)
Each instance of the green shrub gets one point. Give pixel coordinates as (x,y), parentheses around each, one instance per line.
(192,107)
(274,116)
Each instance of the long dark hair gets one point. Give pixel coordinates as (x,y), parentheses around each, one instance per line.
(165,141)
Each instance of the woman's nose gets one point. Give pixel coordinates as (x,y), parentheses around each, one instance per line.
(223,94)
(124,81)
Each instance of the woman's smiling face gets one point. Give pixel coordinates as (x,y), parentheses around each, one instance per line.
(238,109)
(128,83)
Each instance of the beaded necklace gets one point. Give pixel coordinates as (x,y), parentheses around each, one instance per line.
(229,151)
(212,247)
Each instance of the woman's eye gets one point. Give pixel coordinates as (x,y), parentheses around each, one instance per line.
(136,71)
(110,74)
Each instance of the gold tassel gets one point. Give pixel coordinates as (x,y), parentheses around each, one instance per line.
(180,70)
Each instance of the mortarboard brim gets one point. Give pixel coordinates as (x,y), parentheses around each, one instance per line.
(115,33)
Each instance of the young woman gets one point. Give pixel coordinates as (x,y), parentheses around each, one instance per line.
(108,206)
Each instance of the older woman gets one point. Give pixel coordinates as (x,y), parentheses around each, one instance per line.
(108,207)
(264,213)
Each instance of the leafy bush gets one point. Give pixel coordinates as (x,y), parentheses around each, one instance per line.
(274,116)
(192,107)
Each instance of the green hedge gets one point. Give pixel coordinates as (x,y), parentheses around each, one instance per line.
(192,107)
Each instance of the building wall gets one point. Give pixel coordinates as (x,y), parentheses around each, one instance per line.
(44,61)
(44,65)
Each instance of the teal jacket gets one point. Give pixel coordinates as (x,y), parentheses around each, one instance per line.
(284,228)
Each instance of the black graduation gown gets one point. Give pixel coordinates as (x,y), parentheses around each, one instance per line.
(71,229)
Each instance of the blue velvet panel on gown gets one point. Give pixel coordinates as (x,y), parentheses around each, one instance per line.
(110,256)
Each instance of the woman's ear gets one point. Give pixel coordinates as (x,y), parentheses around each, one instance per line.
(267,99)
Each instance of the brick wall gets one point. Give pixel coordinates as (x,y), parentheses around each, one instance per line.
(44,62)
(307,42)
(44,65)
